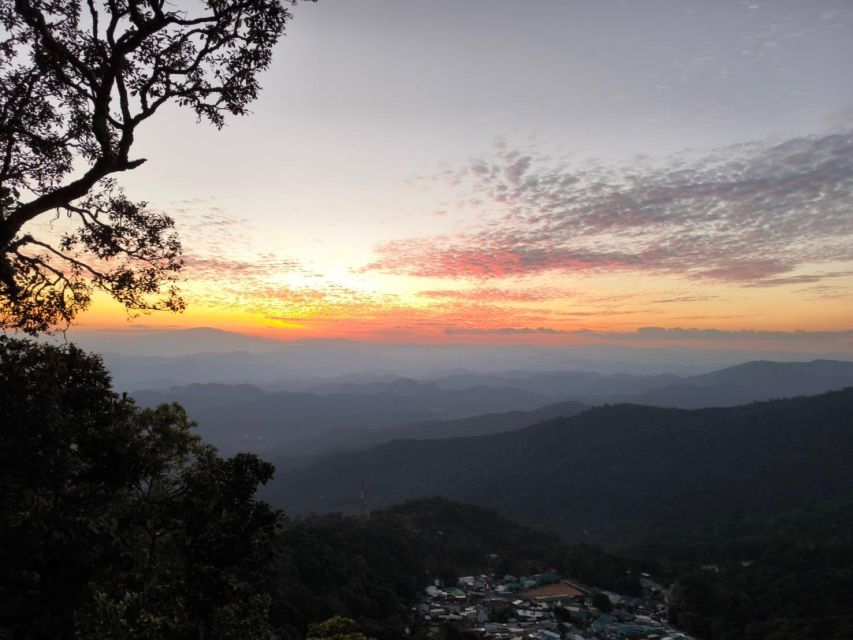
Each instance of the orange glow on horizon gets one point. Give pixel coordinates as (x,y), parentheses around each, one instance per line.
(437,313)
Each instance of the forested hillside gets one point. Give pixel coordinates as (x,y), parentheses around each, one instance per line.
(784,577)
(304,451)
(371,568)
(610,471)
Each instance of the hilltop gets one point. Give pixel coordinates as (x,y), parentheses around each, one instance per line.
(611,470)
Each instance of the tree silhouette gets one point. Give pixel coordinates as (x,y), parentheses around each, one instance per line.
(76,81)
(118,522)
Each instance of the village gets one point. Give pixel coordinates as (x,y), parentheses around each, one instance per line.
(544,606)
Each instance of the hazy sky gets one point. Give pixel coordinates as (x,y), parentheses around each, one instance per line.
(526,171)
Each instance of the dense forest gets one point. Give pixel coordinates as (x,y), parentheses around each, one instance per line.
(611,473)
(787,576)
(371,568)
(118,522)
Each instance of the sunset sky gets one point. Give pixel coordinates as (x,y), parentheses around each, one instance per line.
(539,171)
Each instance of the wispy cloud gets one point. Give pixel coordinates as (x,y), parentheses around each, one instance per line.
(804,278)
(221,269)
(750,214)
(679,299)
(489,294)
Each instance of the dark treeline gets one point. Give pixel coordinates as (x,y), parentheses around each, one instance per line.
(118,522)
(783,578)
(371,568)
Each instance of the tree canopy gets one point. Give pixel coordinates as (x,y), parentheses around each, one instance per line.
(117,522)
(77,79)
(336,628)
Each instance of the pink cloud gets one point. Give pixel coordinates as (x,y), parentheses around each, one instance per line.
(748,214)
(496,295)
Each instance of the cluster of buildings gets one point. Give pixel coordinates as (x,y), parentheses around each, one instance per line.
(545,606)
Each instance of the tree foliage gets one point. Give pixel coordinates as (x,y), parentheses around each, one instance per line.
(117,522)
(785,577)
(336,628)
(77,79)
(372,570)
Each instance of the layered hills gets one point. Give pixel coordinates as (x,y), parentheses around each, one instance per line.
(245,417)
(611,471)
(316,417)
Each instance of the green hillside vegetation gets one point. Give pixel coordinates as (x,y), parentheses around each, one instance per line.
(785,577)
(371,569)
(118,522)
(610,473)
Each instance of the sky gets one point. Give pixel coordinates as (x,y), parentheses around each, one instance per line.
(546,172)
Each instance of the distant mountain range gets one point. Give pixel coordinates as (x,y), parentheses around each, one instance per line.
(244,417)
(304,451)
(760,380)
(318,417)
(148,358)
(748,382)
(610,472)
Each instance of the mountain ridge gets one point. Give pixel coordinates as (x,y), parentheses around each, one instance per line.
(609,469)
